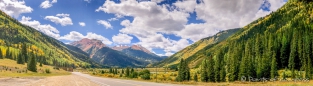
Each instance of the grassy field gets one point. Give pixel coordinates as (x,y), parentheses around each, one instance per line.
(9,68)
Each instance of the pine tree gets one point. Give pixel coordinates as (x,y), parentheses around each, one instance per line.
(211,72)
(110,70)
(187,71)
(132,70)
(218,66)
(273,67)
(122,71)
(195,77)
(22,56)
(115,72)
(32,63)
(7,55)
(183,71)
(1,56)
(127,72)
(293,55)
(204,71)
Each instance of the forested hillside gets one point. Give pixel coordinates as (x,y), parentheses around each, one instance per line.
(113,58)
(46,50)
(279,41)
(188,52)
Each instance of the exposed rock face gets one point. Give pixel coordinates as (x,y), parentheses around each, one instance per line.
(134,47)
(120,47)
(139,47)
(91,46)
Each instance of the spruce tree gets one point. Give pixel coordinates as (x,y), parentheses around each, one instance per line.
(292,57)
(23,54)
(127,72)
(180,76)
(187,71)
(204,71)
(32,63)
(273,66)
(132,70)
(195,77)
(183,71)
(211,72)
(7,55)
(115,72)
(1,56)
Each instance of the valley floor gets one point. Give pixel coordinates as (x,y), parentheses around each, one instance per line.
(80,79)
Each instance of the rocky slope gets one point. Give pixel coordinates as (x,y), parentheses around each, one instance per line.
(90,46)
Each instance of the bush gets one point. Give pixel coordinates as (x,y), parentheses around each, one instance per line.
(47,71)
(145,74)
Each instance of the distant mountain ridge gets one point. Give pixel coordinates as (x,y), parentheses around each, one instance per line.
(135,55)
(90,46)
(113,58)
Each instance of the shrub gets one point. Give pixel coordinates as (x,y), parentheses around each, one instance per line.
(47,71)
(145,74)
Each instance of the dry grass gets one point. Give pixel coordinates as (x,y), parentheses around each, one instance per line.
(9,68)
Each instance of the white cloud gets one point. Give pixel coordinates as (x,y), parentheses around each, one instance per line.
(117,16)
(75,36)
(87,1)
(106,24)
(157,1)
(122,39)
(47,4)
(151,21)
(275,4)
(188,5)
(45,28)
(14,7)
(82,24)
(62,19)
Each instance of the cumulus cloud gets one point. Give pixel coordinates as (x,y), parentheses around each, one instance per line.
(75,36)
(14,7)
(63,19)
(47,4)
(44,28)
(151,20)
(82,24)
(188,5)
(122,39)
(106,24)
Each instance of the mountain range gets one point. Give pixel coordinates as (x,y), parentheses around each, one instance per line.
(120,56)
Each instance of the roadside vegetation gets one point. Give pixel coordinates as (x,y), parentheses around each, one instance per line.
(9,68)
(197,76)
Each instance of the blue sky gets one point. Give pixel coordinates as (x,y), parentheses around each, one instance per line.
(162,26)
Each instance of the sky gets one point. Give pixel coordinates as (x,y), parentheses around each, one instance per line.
(162,26)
